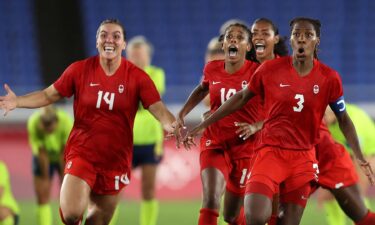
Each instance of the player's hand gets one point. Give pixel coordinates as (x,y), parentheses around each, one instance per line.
(179,126)
(9,101)
(189,138)
(174,132)
(245,130)
(367,170)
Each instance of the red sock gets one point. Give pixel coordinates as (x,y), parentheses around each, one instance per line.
(240,219)
(273,220)
(368,220)
(62,219)
(208,217)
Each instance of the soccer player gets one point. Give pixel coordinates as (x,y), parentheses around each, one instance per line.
(48,131)
(107,90)
(148,133)
(9,209)
(295,91)
(224,157)
(365,129)
(337,174)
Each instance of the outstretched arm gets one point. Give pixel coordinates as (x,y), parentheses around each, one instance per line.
(161,113)
(32,100)
(348,129)
(195,97)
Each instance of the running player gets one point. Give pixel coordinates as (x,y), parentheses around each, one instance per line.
(295,100)
(107,90)
(224,157)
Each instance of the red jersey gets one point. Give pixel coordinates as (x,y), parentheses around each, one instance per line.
(294,105)
(222,86)
(104,110)
(327,149)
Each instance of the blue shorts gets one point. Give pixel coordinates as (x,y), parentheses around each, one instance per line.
(146,154)
(52,168)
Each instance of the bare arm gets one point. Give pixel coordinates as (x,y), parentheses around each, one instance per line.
(32,100)
(161,113)
(348,129)
(195,97)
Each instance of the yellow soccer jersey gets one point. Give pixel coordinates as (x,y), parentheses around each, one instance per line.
(147,130)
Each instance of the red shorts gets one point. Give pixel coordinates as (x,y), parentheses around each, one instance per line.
(337,172)
(281,168)
(104,182)
(235,171)
(215,158)
(239,175)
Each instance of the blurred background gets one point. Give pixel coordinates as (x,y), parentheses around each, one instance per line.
(41,38)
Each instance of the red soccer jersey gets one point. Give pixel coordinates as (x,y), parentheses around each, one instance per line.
(294,105)
(104,110)
(222,86)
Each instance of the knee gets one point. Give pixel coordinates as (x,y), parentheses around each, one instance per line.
(230,219)
(255,219)
(70,217)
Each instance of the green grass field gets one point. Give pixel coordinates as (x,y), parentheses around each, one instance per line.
(171,213)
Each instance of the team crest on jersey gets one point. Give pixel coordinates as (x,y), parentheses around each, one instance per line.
(316,89)
(244,84)
(121,88)
(208,142)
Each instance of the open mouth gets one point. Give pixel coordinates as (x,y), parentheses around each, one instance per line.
(260,48)
(108,49)
(233,51)
(301,50)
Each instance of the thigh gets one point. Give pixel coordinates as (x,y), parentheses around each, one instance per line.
(101,209)
(74,195)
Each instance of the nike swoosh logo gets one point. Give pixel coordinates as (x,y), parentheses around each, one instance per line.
(216,82)
(284,85)
(93,85)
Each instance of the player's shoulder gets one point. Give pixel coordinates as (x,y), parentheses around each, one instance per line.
(214,65)
(62,114)
(274,64)
(326,70)
(34,117)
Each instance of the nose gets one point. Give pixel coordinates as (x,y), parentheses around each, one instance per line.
(301,38)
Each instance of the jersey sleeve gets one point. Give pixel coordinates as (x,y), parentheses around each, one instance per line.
(34,141)
(336,89)
(147,90)
(65,85)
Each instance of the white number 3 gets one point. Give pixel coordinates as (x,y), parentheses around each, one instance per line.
(299,103)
